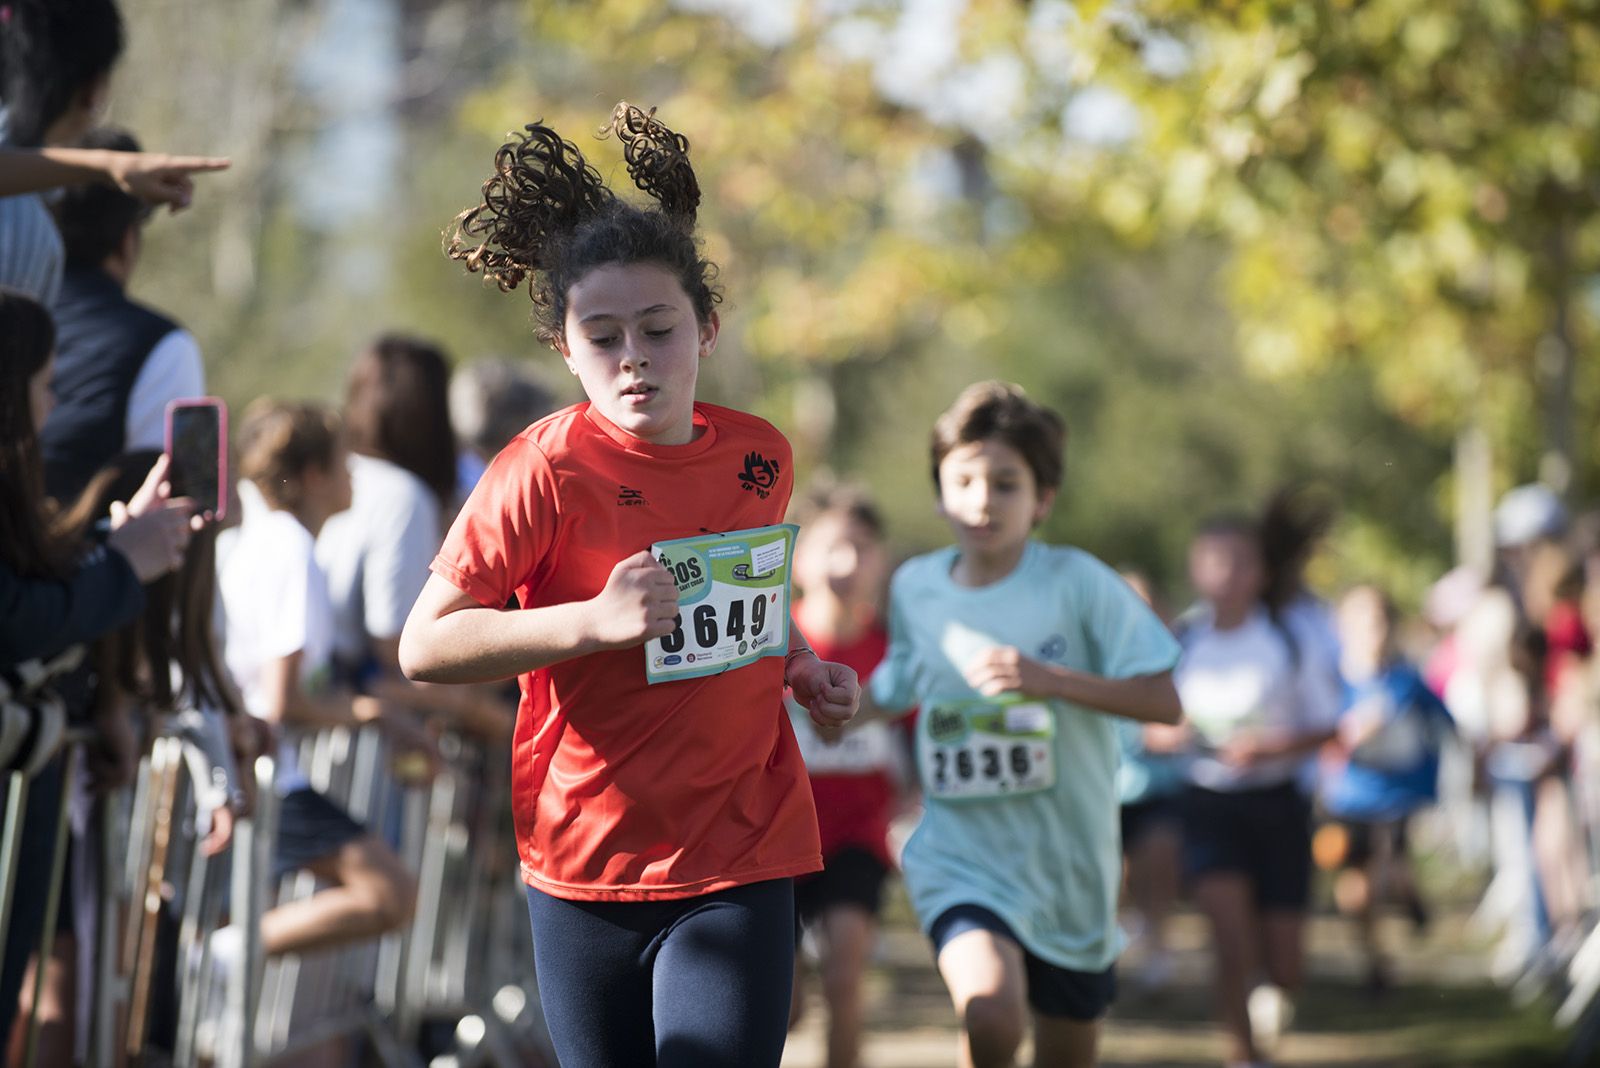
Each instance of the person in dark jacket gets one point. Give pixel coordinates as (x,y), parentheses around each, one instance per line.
(118,362)
(55,592)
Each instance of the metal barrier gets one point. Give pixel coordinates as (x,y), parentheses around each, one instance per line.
(458,981)
(464,962)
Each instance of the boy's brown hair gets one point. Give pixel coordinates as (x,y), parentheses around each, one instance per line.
(279,440)
(1000,411)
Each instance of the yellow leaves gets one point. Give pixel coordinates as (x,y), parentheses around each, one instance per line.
(1352,136)
(1125,207)
(1281,86)
(1428,35)
(1187,187)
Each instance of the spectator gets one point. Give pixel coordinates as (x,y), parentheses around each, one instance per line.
(55,75)
(491,402)
(118,363)
(53,593)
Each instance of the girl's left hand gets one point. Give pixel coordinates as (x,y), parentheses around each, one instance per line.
(830,692)
(1005,670)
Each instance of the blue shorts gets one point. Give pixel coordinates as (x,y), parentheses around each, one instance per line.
(310,827)
(1052,990)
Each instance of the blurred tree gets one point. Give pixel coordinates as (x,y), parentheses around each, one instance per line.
(897,214)
(1410,184)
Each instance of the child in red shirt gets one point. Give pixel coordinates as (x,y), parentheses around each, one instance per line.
(840,566)
(660,822)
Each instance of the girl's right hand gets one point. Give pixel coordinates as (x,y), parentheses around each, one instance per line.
(152,530)
(154,542)
(639,602)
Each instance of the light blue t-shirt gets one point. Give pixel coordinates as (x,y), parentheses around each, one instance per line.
(1047,862)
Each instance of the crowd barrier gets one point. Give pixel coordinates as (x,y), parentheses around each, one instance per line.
(454,989)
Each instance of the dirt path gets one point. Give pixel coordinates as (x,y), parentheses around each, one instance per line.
(1442,1013)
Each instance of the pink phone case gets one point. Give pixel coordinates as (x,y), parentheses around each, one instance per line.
(221,406)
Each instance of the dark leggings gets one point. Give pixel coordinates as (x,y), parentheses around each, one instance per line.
(704,981)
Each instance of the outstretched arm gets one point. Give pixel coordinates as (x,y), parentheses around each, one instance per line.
(450,637)
(151,176)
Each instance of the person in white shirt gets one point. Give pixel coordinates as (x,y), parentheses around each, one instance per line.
(278,647)
(376,554)
(1259,700)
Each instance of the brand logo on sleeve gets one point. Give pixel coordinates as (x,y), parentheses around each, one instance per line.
(759,475)
(1053,648)
(630,498)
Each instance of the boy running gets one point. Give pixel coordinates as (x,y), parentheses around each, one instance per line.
(1020,654)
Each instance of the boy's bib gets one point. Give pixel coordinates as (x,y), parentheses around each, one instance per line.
(733,601)
(981,748)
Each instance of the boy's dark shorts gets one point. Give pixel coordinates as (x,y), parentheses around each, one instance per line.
(310,827)
(1052,990)
(1142,817)
(1263,834)
(852,876)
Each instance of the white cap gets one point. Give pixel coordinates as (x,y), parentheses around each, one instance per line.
(1527,514)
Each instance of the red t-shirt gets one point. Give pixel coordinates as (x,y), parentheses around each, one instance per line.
(624,791)
(854,809)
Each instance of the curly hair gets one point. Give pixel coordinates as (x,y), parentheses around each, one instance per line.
(547,219)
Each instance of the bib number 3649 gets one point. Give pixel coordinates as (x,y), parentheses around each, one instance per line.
(740,619)
(733,602)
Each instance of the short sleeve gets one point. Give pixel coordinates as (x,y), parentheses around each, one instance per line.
(506,528)
(893,683)
(283,603)
(402,542)
(1318,684)
(1128,638)
(172,371)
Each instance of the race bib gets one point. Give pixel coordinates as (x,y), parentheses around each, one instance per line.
(861,751)
(979,748)
(733,602)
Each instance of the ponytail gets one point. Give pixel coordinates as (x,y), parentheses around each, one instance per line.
(547,219)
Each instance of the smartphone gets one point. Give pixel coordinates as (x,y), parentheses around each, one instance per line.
(197,452)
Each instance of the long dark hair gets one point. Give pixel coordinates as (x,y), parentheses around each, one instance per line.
(397,408)
(547,219)
(1294,520)
(50,51)
(27,339)
(176,627)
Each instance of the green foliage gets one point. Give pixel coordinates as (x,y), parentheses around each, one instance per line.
(1328,238)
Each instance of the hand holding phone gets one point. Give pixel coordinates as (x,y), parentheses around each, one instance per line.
(197,452)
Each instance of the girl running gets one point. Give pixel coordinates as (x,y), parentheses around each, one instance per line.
(839,566)
(661,803)
(1261,698)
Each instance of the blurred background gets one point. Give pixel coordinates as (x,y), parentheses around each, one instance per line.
(1236,244)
